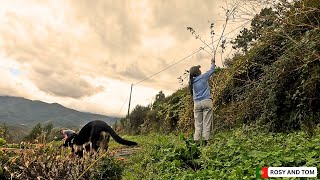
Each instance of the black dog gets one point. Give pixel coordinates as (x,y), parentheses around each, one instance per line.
(93,135)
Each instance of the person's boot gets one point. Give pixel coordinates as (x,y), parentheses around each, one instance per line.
(206,143)
(198,143)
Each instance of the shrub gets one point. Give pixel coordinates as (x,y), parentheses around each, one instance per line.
(2,142)
(107,168)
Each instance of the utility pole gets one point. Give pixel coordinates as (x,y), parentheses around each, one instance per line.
(130,100)
(128,120)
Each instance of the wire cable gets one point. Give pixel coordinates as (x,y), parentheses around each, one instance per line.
(201,48)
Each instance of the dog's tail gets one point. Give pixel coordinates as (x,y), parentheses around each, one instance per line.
(118,139)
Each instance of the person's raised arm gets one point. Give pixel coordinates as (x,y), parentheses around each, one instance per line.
(211,70)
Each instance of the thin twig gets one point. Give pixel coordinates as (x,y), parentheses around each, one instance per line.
(94,162)
(224,28)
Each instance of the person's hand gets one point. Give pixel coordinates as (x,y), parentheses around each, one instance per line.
(213,61)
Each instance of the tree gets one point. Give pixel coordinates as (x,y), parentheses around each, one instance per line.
(243,40)
(160,96)
(137,117)
(159,99)
(2,142)
(265,19)
(35,132)
(115,125)
(47,128)
(4,131)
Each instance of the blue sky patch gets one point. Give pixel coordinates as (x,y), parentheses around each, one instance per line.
(15,71)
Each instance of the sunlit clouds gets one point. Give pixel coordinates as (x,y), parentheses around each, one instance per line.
(86,54)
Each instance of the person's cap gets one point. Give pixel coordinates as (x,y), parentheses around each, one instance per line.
(194,69)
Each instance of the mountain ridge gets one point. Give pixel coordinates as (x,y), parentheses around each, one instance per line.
(20,110)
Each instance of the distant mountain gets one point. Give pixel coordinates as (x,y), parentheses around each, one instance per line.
(27,113)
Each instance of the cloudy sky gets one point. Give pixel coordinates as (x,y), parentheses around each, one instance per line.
(85,54)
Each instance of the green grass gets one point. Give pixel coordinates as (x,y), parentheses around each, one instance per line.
(231,155)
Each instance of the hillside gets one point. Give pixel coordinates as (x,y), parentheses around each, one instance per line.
(25,112)
(271,81)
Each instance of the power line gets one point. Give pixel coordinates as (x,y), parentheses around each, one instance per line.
(188,56)
(167,67)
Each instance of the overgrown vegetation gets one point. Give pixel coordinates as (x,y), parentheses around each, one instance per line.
(166,114)
(50,162)
(275,83)
(272,81)
(4,132)
(232,154)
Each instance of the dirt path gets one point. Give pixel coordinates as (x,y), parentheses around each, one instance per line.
(125,152)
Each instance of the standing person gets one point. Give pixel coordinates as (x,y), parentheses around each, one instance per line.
(68,134)
(200,91)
